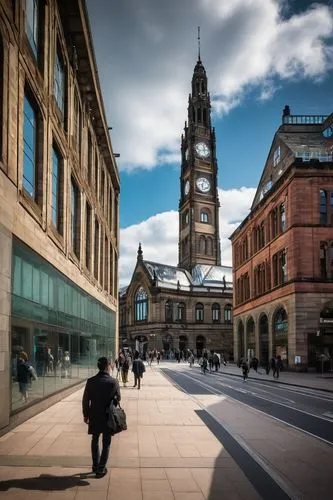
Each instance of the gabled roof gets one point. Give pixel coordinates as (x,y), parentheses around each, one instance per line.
(298,137)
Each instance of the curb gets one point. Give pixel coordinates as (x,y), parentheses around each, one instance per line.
(279,382)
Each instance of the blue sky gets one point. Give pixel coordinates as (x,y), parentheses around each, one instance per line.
(259,55)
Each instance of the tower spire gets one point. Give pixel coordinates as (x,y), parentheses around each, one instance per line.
(199,43)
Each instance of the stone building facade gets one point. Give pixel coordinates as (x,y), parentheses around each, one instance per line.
(188,306)
(282,251)
(59,188)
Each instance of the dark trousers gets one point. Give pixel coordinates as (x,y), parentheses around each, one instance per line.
(137,380)
(99,461)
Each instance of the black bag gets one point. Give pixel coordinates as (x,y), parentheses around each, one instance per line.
(116,419)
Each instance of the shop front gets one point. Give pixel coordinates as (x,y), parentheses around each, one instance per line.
(62,329)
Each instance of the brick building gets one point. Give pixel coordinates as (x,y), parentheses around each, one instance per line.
(59,189)
(283,251)
(188,306)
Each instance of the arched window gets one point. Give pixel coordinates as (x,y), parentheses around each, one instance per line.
(168,311)
(323,207)
(141,305)
(281,322)
(204,216)
(215,313)
(199,312)
(181,311)
(227,313)
(202,244)
(209,246)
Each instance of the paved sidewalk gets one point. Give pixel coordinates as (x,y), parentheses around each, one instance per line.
(167,453)
(309,380)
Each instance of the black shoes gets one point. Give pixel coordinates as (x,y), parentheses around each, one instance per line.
(101,472)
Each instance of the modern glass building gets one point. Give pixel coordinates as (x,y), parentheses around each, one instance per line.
(59,202)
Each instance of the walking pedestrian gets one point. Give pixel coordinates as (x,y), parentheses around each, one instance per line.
(138,369)
(100,390)
(273,366)
(23,375)
(158,357)
(245,370)
(278,366)
(124,370)
(204,365)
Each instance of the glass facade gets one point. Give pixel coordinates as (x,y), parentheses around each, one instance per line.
(32,24)
(59,82)
(62,329)
(55,188)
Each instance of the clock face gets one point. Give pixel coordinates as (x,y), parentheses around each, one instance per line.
(203,184)
(187,187)
(202,150)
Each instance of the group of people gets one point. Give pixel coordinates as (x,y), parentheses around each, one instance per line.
(275,364)
(124,362)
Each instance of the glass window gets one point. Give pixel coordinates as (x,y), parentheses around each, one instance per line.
(17,277)
(282,217)
(29,148)
(328,132)
(203,216)
(281,323)
(168,310)
(180,311)
(141,305)
(75,219)
(27,280)
(56,193)
(32,24)
(96,249)
(59,81)
(199,312)
(323,259)
(227,313)
(88,236)
(323,207)
(35,284)
(215,312)
(277,156)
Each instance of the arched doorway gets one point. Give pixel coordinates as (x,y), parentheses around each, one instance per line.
(241,344)
(200,345)
(251,339)
(183,344)
(320,343)
(263,340)
(280,335)
(167,345)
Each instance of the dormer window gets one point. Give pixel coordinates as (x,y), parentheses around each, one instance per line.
(277,156)
(328,132)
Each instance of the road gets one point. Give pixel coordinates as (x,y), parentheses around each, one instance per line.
(309,410)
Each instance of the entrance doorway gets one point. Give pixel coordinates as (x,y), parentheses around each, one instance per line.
(251,340)
(200,345)
(263,340)
(241,344)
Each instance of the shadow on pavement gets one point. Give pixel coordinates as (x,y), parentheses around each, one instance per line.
(46,482)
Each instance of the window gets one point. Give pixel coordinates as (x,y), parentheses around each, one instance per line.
(215,313)
(102,188)
(31,26)
(88,236)
(96,173)
(59,81)
(277,156)
(323,259)
(111,271)
(106,265)
(282,218)
(89,159)
(187,217)
(101,257)
(141,305)
(209,246)
(96,249)
(56,199)
(204,216)
(323,207)
(29,148)
(328,132)
(280,267)
(168,310)
(281,322)
(75,218)
(199,312)
(274,223)
(227,313)
(180,311)
(77,122)
(202,244)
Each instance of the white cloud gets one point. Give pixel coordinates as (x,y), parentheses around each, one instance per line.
(159,234)
(146,55)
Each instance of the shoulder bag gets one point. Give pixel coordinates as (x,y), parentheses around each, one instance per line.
(116,419)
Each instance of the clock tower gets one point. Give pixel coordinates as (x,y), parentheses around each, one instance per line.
(199,240)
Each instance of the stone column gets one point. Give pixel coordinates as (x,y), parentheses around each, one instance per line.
(5,312)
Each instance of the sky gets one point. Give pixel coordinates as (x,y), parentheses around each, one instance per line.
(259,55)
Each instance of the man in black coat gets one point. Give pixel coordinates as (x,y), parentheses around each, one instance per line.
(100,390)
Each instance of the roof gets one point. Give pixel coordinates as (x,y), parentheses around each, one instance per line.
(202,276)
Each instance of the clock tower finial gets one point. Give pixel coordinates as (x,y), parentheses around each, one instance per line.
(199,240)
(199,43)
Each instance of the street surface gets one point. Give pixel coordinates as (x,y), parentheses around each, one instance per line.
(307,409)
